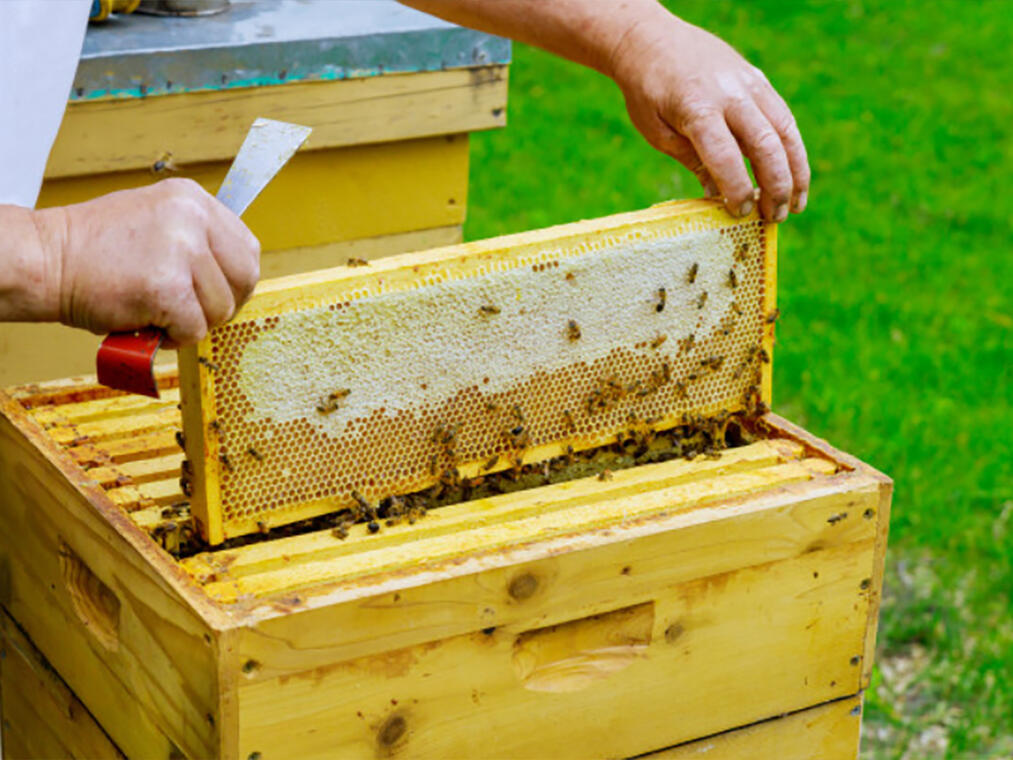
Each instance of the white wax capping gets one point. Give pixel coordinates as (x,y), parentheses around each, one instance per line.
(384,348)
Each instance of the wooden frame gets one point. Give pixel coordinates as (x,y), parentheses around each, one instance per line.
(723,597)
(215,467)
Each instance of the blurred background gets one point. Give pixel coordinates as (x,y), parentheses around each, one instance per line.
(896,290)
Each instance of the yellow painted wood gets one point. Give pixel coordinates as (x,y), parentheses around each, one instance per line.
(405,273)
(160,492)
(330,195)
(100,136)
(42,718)
(140,471)
(486,513)
(717,652)
(769,305)
(825,732)
(145,446)
(575,575)
(588,516)
(103,409)
(116,427)
(580,639)
(105,606)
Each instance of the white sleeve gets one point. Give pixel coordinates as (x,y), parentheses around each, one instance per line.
(40,43)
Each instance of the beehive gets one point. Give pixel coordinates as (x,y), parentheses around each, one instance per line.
(725,604)
(573,620)
(471,359)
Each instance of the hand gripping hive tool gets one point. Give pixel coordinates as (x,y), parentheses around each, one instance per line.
(126,360)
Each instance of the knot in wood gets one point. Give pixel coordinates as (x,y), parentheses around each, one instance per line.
(523,586)
(392,730)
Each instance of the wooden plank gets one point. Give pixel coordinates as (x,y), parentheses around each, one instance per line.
(827,732)
(483,513)
(160,492)
(71,390)
(104,409)
(720,651)
(879,513)
(325,196)
(676,381)
(146,446)
(111,612)
(490,538)
(210,126)
(39,707)
(575,576)
(131,426)
(139,471)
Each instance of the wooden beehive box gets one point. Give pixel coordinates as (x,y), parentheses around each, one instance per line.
(725,604)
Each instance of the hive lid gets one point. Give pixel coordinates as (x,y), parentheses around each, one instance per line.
(380,379)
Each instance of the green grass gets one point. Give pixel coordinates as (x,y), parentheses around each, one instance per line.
(896,285)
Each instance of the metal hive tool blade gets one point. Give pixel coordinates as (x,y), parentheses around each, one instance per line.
(378,380)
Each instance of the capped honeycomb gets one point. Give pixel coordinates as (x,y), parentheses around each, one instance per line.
(358,383)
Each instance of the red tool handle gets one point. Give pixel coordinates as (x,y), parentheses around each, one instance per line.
(126,361)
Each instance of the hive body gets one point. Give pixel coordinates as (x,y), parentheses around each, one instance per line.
(571,620)
(471,359)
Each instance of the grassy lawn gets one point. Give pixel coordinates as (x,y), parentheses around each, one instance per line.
(896,285)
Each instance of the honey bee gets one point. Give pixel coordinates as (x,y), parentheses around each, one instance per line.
(180,440)
(262,528)
(365,509)
(432,463)
(491,407)
(572,331)
(742,252)
(733,280)
(208,363)
(518,413)
(771,318)
(687,343)
(605,475)
(491,463)
(489,309)
(357,262)
(738,371)
(568,416)
(216,426)
(713,362)
(666,371)
(662,300)
(658,340)
(702,300)
(764,356)
(691,275)
(736,308)
(569,454)
(164,165)
(681,391)
(340,531)
(255,454)
(224,459)
(332,401)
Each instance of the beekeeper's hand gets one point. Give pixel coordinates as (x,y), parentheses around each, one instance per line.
(168,255)
(690,94)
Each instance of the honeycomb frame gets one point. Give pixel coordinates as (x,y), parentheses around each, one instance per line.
(316,396)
